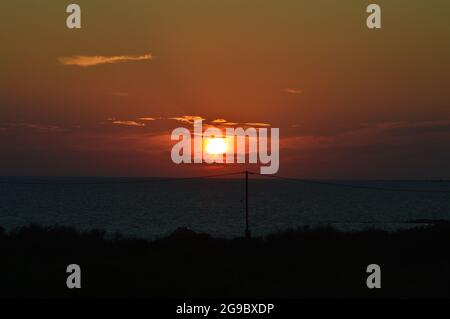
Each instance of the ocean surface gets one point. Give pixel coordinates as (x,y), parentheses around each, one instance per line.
(215,206)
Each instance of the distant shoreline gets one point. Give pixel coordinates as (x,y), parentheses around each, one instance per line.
(432,180)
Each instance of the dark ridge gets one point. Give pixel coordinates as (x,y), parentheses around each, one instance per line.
(298,263)
(429,221)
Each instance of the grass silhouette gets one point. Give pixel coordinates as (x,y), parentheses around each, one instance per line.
(296,263)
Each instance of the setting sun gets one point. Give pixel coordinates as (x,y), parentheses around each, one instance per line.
(216,146)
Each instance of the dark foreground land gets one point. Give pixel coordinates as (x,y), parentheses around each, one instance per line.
(300,263)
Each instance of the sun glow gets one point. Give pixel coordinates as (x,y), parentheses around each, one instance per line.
(216,146)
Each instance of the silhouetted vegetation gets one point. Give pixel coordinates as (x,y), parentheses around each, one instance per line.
(298,263)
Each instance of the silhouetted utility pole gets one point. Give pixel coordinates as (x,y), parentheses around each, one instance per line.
(247,229)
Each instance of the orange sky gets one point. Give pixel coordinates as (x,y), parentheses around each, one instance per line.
(350,102)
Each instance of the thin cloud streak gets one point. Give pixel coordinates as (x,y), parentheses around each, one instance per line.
(257,124)
(219,121)
(129,123)
(35,127)
(87,61)
(147,119)
(187,119)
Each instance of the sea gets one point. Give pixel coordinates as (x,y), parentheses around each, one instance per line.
(152,208)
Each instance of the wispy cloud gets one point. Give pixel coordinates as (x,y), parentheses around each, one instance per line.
(293,91)
(257,124)
(147,119)
(383,134)
(129,123)
(224,122)
(190,119)
(219,121)
(86,60)
(187,118)
(36,127)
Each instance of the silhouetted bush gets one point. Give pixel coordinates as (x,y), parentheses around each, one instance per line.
(296,263)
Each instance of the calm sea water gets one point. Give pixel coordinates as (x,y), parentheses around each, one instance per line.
(215,206)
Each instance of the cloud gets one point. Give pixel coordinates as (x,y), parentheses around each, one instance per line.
(190,119)
(383,134)
(147,119)
(408,128)
(293,91)
(219,121)
(86,60)
(187,118)
(129,123)
(257,124)
(228,123)
(35,127)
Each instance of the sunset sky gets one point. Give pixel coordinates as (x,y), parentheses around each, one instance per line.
(101,101)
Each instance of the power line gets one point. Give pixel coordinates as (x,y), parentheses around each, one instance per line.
(325,183)
(174,179)
(139,181)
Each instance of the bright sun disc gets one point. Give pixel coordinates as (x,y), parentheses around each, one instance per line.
(216,146)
